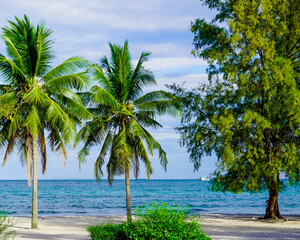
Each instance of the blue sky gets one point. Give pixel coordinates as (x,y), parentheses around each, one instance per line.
(84,28)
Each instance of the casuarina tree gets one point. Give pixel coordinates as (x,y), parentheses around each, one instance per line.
(249,112)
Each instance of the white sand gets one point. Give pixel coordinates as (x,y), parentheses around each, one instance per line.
(60,227)
(246,227)
(231,227)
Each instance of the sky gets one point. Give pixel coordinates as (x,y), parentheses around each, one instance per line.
(84,28)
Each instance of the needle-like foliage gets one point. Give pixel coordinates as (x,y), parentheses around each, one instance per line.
(121,115)
(249,112)
(38,100)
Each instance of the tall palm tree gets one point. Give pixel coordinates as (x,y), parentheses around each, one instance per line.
(40,100)
(121,116)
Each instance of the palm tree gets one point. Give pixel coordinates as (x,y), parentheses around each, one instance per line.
(40,99)
(121,116)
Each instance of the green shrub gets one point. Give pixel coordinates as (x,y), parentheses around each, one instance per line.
(5,224)
(154,222)
(107,231)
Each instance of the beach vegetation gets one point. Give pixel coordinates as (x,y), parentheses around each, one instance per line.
(121,115)
(40,99)
(5,225)
(248,113)
(153,222)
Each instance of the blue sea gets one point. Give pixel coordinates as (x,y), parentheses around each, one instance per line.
(87,197)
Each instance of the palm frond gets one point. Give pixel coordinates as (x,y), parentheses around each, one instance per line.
(139,67)
(93,133)
(141,153)
(95,128)
(134,129)
(59,119)
(36,96)
(119,70)
(9,100)
(31,44)
(100,160)
(12,72)
(28,157)
(15,123)
(120,147)
(160,108)
(156,96)
(33,121)
(141,77)
(105,65)
(76,81)
(160,102)
(145,119)
(43,150)
(69,66)
(136,165)
(9,148)
(102,79)
(115,166)
(161,153)
(43,48)
(105,98)
(12,50)
(86,98)
(73,104)
(56,142)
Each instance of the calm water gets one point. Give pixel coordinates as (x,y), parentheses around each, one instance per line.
(87,197)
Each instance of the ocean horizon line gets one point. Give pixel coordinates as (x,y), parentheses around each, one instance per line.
(91,179)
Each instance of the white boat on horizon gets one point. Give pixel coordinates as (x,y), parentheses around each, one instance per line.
(204,179)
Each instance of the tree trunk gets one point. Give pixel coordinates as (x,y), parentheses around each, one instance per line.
(128,202)
(34,219)
(272,210)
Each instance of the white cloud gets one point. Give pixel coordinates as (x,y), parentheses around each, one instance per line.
(165,136)
(165,49)
(84,27)
(130,15)
(189,81)
(162,64)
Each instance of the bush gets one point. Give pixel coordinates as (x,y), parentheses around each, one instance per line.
(5,224)
(154,222)
(107,231)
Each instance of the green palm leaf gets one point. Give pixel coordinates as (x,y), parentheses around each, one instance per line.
(70,81)
(103,97)
(33,121)
(9,68)
(107,143)
(13,51)
(36,96)
(67,67)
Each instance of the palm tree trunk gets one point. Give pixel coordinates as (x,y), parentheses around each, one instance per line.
(34,219)
(128,202)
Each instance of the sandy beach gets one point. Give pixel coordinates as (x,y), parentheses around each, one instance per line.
(231,227)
